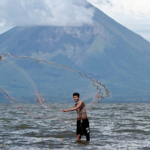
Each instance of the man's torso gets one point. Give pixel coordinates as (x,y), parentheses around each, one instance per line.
(81,112)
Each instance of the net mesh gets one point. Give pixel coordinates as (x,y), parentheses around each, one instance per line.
(44,85)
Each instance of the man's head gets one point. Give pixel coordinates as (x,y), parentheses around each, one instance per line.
(76,97)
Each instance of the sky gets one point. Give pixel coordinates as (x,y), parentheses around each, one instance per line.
(133,14)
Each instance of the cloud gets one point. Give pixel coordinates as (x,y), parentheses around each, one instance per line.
(134,14)
(45,12)
(136,8)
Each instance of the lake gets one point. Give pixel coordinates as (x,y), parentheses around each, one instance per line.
(113,127)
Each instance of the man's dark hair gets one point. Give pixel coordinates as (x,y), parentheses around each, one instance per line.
(76,94)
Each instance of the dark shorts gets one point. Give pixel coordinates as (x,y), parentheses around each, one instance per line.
(83,127)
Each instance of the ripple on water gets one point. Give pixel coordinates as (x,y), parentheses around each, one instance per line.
(115,126)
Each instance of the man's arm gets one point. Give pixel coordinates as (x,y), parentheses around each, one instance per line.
(74,108)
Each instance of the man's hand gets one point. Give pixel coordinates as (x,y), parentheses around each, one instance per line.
(64,110)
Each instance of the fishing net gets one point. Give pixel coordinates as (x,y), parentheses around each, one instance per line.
(40,88)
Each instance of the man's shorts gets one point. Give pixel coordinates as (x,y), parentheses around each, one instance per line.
(83,127)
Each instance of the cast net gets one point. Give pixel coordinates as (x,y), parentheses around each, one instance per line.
(40,88)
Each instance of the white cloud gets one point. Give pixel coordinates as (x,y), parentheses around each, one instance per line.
(136,8)
(45,12)
(134,14)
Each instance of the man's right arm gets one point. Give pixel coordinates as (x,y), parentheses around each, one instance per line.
(74,108)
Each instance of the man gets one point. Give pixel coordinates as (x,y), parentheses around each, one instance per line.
(82,120)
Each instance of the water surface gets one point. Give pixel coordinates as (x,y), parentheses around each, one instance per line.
(113,127)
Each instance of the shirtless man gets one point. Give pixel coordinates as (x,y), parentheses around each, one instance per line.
(82,120)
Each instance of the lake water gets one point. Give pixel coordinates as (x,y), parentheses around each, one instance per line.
(113,127)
